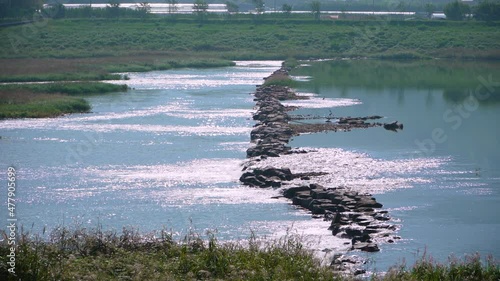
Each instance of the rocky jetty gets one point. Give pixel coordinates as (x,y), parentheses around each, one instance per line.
(394,126)
(354,216)
(273,177)
(272,132)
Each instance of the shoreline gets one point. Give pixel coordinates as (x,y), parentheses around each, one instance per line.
(98,254)
(21,94)
(50,99)
(352,215)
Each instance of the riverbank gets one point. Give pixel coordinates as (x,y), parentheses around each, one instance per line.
(91,254)
(353,215)
(71,50)
(247,40)
(24,100)
(26,104)
(50,99)
(97,68)
(59,76)
(149,172)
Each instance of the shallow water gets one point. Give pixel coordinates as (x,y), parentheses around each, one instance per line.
(165,155)
(168,154)
(440,176)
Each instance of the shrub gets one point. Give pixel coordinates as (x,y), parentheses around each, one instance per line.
(487,11)
(456,10)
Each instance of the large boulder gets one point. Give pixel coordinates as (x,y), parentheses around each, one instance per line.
(302,200)
(292,191)
(283,173)
(368,203)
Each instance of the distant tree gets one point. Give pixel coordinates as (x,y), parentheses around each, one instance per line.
(316,9)
(17,8)
(114,3)
(172,6)
(144,8)
(24,4)
(401,6)
(456,10)
(287,9)
(200,8)
(345,8)
(232,7)
(85,11)
(113,8)
(487,11)
(56,11)
(260,6)
(429,9)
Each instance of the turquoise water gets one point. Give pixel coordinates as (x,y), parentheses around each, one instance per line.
(165,155)
(453,208)
(168,154)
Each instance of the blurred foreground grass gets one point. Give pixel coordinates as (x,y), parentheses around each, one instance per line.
(93,254)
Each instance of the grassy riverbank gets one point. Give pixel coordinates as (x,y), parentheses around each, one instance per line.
(380,74)
(87,38)
(51,99)
(96,69)
(67,88)
(26,104)
(94,49)
(83,254)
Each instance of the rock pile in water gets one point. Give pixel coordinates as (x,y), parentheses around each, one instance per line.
(355,216)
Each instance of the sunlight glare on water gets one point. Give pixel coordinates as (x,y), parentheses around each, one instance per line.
(354,170)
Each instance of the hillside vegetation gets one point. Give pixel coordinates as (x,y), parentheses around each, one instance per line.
(94,49)
(92,254)
(268,38)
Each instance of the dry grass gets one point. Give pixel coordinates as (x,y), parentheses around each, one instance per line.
(51,65)
(94,254)
(23,96)
(23,66)
(97,68)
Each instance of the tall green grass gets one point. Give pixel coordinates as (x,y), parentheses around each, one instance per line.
(69,88)
(93,254)
(266,38)
(49,99)
(380,74)
(39,106)
(281,81)
(470,268)
(165,64)
(59,77)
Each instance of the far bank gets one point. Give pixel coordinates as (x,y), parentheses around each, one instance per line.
(95,49)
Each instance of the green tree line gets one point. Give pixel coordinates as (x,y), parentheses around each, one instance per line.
(485,10)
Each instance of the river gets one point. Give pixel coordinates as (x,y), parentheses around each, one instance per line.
(167,154)
(440,176)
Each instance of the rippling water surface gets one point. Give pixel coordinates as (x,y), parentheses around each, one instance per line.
(440,176)
(169,152)
(166,154)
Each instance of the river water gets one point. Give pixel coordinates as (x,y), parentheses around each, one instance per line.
(443,187)
(165,155)
(168,154)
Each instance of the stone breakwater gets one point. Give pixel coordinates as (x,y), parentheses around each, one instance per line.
(353,215)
